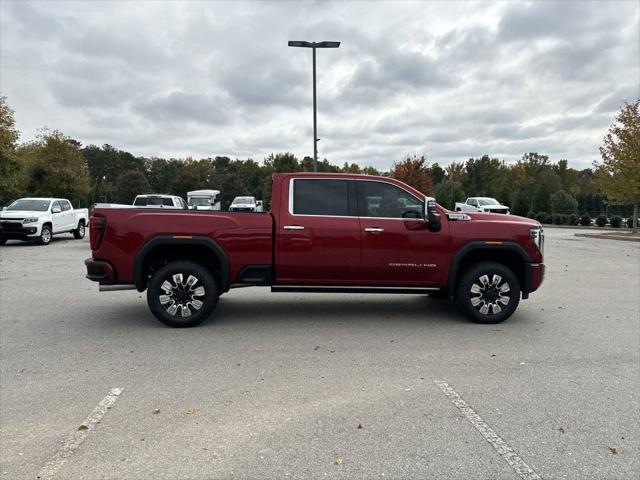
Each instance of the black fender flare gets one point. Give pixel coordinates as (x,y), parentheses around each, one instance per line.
(454,266)
(138,271)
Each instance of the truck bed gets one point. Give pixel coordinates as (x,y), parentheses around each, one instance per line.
(247,238)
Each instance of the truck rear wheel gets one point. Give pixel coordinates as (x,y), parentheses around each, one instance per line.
(79,232)
(488,292)
(182,294)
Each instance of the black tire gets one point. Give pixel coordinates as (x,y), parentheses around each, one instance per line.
(177,297)
(45,235)
(3,240)
(79,232)
(491,299)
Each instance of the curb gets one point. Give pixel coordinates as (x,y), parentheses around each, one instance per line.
(621,238)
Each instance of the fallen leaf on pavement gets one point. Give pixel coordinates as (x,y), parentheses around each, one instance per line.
(339,461)
(561,430)
(613,450)
(83,427)
(359,425)
(191,411)
(156,411)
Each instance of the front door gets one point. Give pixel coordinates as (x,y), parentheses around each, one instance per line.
(397,247)
(318,235)
(58,218)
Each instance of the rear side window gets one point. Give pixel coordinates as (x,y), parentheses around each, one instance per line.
(321,197)
(140,201)
(65,205)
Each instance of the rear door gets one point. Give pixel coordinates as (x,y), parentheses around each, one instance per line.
(318,235)
(397,247)
(67,215)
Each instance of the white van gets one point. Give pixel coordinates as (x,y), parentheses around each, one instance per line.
(204,200)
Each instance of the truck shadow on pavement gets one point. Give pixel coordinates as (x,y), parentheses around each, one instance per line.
(287,309)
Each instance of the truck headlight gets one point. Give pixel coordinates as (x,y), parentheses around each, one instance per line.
(537,234)
(30,220)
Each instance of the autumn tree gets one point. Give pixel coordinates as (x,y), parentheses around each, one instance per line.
(414,171)
(619,172)
(55,167)
(9,160)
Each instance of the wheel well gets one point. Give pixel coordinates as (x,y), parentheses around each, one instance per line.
(509,258)
(81,221)
(162,254)
(48,224)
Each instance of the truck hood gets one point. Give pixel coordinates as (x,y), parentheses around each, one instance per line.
(9,214)
(492,217)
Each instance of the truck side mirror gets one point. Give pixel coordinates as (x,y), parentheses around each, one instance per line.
(431,215)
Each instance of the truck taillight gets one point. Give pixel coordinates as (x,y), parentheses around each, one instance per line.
(97,226)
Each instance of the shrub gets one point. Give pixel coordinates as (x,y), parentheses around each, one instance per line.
(616,221)
(585,220)
(542,217)
(630,222)
(573,219)
(559,219)
(601,220)
(531,215)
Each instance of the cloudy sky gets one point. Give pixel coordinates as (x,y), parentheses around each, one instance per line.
(449,80)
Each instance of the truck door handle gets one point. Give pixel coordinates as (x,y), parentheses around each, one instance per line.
(374,230)
(293,227)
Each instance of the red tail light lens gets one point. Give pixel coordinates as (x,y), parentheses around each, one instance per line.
(97,227)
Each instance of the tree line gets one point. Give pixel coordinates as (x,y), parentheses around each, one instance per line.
(56,165)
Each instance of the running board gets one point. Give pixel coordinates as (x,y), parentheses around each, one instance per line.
(115,288)
(350,289)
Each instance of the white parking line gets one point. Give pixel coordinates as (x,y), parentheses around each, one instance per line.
(502,447)
(72,443)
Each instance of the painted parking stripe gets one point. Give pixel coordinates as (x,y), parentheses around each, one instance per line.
(72,442)
(502,447)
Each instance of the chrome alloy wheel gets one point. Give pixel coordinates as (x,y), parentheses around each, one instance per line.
(46,235)
(488,297)
(182,298)
(81,230)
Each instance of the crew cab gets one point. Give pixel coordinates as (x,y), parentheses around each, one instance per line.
(325,233)
(39,219)
(481,204)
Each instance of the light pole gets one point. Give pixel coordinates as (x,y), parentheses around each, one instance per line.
(313,46)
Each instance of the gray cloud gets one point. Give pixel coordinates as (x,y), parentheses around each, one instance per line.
(449,80)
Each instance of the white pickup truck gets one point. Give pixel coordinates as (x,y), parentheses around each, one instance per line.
(40,218)
(481,204)
(246,204)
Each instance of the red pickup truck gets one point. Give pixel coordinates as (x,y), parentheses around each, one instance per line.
(325,233)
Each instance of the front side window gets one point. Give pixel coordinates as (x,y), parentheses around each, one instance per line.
(378,199)
(321,197)
(140,201)
(56,204)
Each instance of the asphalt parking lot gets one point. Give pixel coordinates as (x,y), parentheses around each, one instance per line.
(321,385)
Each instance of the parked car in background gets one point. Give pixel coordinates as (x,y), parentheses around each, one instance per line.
(243,204)
(203,200)
(160,201)
(481,204)
(38,219)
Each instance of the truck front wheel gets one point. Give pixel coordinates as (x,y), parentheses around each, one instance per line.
(488,292)
(182,294)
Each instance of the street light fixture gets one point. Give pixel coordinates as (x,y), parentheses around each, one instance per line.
(313,46)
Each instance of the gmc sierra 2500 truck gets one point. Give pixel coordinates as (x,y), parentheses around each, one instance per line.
(325,233)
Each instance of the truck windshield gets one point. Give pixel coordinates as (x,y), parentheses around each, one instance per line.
(27,204)
(200,201)
(488,201)
(243,200)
